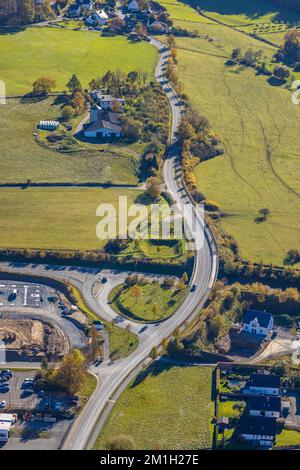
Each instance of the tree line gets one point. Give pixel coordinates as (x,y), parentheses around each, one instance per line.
(23,12)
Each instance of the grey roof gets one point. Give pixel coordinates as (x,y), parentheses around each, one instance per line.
(265,403)
(107,120)
(263,318)
(258,426)
(265,380)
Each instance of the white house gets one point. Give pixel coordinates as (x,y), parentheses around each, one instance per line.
(103,124)
(261,432)
(155,25)
(106,101)
(6,422)
(268,407)
(265,384)
(257,323)
(97,18)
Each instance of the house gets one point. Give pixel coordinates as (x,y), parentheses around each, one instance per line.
(154,25)
(97,18)
(74,10)
(86,4)
(134,5)
(103,123)
(257,322)
(261,432)
(268,407)
(106,101)
(265,384)
(6,422)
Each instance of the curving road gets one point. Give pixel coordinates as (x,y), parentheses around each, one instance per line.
(113,376)
(85,430)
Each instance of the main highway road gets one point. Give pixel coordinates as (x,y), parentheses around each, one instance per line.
(113,376)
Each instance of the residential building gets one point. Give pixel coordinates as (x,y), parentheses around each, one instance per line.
(265,384)
(74,10)
(257,322)
(133,5)
(154,25)
(97,18)
(268,407)
(103,124)
(87,4)
(106,101)
(261,432)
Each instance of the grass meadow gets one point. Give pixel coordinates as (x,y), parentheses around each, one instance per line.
(54,218)
(259,126)
(155,302)
(32,52)
(176,399)
(22,158)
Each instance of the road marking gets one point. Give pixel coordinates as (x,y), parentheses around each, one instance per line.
(25,296)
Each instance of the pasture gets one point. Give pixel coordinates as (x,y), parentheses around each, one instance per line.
(35,51)
(22,158)
(176,399)
(259,126)
(54,218)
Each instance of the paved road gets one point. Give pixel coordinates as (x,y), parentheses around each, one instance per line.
(114,375)
(86,428)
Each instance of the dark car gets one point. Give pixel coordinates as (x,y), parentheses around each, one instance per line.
(193,288)
(4,389)
(27,392)
(6,372)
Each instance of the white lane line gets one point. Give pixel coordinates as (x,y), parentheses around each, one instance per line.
(25,296)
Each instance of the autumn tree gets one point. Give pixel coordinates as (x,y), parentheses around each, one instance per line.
(71,372)
(74,84)
(43,85)
(153,187)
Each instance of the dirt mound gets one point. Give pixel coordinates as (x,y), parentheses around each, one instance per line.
(33,338)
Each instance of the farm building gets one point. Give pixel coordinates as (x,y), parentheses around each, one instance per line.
(103,123)
(48,125)
(259,431)
(106,101)
(257,323)
(265,384)
(268,407)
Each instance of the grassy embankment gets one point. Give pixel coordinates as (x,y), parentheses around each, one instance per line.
(154,301)
(164,408)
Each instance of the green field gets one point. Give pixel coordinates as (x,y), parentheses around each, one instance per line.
(59,53)
(164,408)
(259,126)
(54,218)
(22,158)
(154,302)
(288,438)
(245,12)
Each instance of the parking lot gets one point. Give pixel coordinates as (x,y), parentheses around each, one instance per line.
(16,294)
(41,420)
(20,397)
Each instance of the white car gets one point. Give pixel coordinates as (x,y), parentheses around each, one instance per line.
(2,404)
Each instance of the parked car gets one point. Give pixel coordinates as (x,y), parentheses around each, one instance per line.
(6,372)
(57,406)
(41,394)
(27,392)
(2,404)
(4,389)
